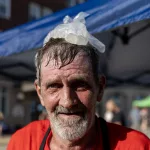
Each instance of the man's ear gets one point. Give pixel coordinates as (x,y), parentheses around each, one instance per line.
(102,83)
(38,90)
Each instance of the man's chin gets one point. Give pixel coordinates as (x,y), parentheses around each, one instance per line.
(70,128)
(71,133)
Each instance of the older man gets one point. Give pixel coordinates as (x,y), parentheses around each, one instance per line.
(68,85)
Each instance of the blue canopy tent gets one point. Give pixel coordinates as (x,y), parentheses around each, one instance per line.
(104,15)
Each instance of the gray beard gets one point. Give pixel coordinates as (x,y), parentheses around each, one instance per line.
(71,129)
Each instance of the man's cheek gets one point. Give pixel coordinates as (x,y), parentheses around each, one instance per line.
(50,104)
(85,98)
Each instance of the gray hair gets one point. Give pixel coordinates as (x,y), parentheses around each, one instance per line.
(60,50)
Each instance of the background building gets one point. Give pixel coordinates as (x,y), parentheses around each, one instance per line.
(12,14)
(16,12)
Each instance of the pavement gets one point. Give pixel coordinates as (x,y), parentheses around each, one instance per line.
(147,132)
(4,142)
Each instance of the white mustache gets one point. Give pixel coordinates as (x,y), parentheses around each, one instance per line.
(61,109)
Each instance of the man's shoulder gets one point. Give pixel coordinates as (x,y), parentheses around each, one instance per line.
(127,136)
(125,131)
(34,131)
(32,127)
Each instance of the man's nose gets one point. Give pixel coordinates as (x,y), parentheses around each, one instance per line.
(68,98)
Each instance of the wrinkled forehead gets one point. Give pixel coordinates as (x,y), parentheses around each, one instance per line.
(81,60)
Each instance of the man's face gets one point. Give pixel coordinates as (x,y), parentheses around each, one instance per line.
(69,95)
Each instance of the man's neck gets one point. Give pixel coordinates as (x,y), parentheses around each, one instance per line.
(86,142)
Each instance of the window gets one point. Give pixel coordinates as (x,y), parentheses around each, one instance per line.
(75,2)
(5,9)
(81,1)
(37,11)
(46,11)
(4,100)
(34,11)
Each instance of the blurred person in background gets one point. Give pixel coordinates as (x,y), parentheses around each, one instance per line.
(134,118)
(113,113)
(108,115)
(144,126)
(119,117)
(1,122)
(4,129)
(18,111)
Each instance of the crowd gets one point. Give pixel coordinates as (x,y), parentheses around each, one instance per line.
(138,118)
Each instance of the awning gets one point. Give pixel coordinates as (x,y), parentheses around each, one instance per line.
(142,103)
(104,15)
(123,64)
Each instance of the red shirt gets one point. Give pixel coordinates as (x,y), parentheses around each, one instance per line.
(120,138)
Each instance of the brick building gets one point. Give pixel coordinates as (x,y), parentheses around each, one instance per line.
(16,12)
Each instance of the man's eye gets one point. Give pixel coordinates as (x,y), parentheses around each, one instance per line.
(55,86)
(80,86)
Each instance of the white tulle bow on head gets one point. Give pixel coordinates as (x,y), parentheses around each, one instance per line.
(74,31)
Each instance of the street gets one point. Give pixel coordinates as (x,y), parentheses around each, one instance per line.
(3,142)
(3,147)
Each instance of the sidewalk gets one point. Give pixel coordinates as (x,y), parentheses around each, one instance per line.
(4,141)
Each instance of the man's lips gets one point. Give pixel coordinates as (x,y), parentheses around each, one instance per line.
(73,114)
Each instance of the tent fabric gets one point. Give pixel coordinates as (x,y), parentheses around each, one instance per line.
(142,103)
(104,15)
(122,65)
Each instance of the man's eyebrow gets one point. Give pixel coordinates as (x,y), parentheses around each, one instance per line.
(51,81)
(79,78)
